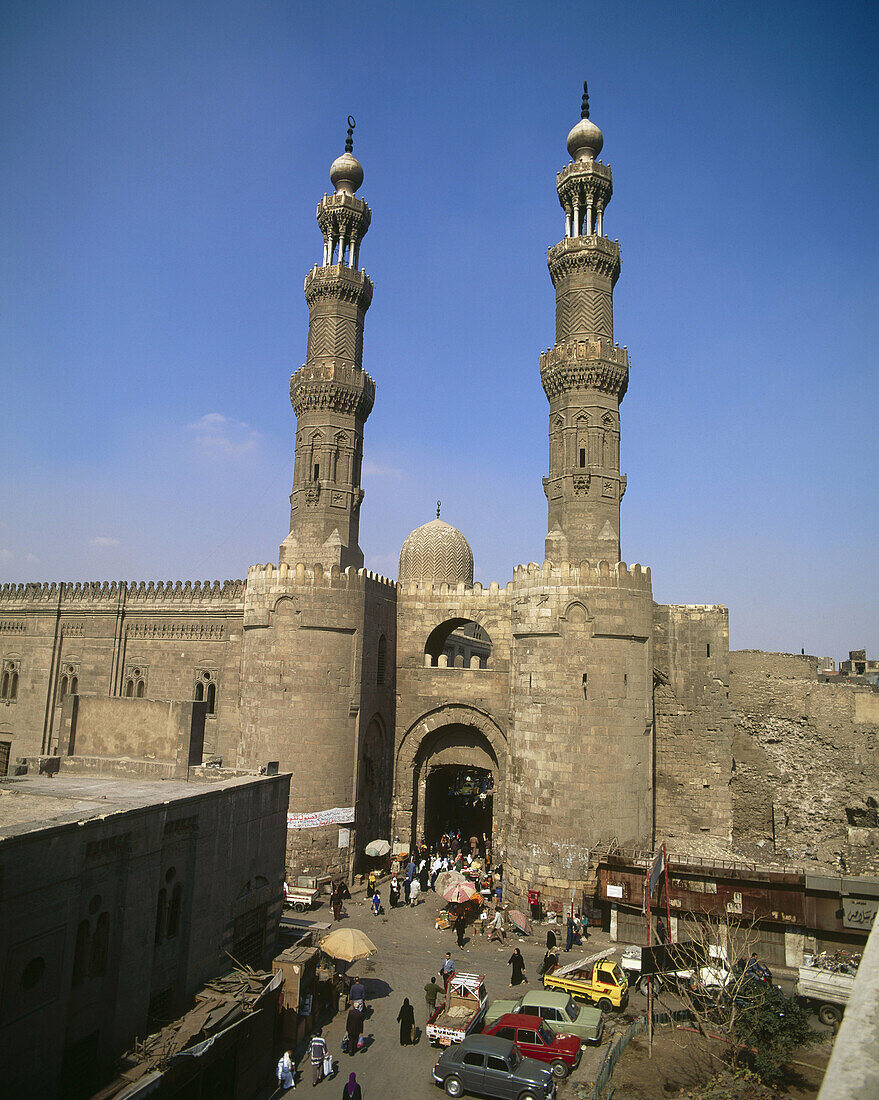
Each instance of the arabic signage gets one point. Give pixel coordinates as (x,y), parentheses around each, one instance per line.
(338,816)
(859,912)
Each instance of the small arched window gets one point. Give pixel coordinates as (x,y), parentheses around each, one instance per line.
(64,686)
(199,692)
(174,911)
(4,692)
(13,686)
(100,943)
(381,660)
(211,697)
(81,952)
(129,689)
(74,685)
(140,689)
(161,907)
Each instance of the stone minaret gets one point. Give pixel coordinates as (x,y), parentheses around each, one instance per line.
(585,375)
(332,395)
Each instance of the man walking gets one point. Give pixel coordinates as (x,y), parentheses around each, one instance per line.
(569,929)
(447,969)
(318,1051)
(431,992)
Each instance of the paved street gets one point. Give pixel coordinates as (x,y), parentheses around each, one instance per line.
(410,949)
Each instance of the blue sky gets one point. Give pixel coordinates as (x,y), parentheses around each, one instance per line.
(160,168)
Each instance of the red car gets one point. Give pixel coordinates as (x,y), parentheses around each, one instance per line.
(535,1040)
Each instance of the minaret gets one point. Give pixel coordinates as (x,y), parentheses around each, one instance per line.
(332,395)
(585,375)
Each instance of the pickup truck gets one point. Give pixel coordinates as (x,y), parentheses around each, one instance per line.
(461,1012)
(826,991)
(601,981)
(714,974)
(300,898)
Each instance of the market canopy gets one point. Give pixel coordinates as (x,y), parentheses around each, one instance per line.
(347,945)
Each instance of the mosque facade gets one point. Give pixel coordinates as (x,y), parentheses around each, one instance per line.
(601,717)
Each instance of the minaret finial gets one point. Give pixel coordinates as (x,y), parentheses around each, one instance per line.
(349,140)
(438,504)
(584,105)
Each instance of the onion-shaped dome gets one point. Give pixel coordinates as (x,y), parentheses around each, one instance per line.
(436,553)
(585,140)
(346,173)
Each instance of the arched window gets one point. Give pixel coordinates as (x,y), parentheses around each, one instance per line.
(211,697)
(4,692)
(199,691)
(381,660)
(74,685)
(129,689)
(100,943)
(141,687)
(174,911)
(13,686)
(81,952)
(161,907)
(64,686)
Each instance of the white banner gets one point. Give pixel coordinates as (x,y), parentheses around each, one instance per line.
(338,816)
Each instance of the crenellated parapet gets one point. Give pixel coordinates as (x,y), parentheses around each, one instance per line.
(595,364)
(582,255)
(584,574)
(266,585)
(490,595)
(201,595)
(337,282)
(332,386)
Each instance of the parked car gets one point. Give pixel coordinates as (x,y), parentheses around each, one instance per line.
(602,982)
(485,1065)
(535,1040)
(559,1012)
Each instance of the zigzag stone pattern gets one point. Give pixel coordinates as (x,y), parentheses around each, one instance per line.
(436,553)
(584,312)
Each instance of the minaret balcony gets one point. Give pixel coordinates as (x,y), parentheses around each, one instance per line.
(573,255)
(340,282)
(585,365)
(334,386)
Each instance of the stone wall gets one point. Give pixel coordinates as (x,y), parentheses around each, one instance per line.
(694,728)
(579,774)
(97,634)
(805,781)
(310,658)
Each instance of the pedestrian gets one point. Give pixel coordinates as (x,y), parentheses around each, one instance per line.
(395,892)
(371,883)
(353,1028)
(414,891)
(424,874)
(431,992)
(357,995)
(376,903)
(435,869)
(496,928)
(585,923)
(336,901)
(569,932)
(551,940)
(550,961)
(406,1020)
(407,889)
(410,868)
(460,925)
(318,1051)
(447,969)
(351,1090)
(286,1071)
(517,976)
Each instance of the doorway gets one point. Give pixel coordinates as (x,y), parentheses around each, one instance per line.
(458,797)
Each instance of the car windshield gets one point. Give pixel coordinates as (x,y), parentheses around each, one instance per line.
(618,974)
(545,1034)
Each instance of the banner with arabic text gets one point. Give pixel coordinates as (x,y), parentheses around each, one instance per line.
(337,816)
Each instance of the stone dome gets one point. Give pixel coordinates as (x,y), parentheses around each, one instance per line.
(346,173)
(585,140)
(436,553)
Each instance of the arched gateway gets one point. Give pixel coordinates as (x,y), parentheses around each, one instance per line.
(451,763)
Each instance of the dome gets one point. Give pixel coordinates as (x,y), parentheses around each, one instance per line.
(346,173)
(585,140)
(436,553)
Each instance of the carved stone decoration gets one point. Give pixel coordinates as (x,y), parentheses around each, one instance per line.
(189,632)
(12,626)
(608,488)
(312,493)
(581,484)
(339,500)
(623,482)
(436,553)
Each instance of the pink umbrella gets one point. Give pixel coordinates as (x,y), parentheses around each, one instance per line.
(520,921)
(460,891)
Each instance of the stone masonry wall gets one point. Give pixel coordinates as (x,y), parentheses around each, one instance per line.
(99,632)
(580,740)
(694,728)
(805,781)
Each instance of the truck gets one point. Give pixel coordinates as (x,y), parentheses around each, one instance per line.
(461,1012)
(300,898)
(601,981)
(696,967)
(826,991)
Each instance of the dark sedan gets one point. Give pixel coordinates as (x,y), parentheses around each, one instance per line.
(488,1066)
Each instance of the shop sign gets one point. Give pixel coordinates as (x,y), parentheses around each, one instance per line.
(859,912)
(614,891)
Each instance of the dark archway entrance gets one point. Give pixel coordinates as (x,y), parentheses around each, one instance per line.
(458,797)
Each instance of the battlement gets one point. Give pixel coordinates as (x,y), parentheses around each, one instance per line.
(582,350)
(587,574)
(267,584)
(581,168)
(338,281)
(201,594)
(492,594)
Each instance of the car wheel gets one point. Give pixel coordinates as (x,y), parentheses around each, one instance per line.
(454,1086)
(642,986)
(299,907)
(527,1096)
(829,1015)
(605,1005)
(559,1068)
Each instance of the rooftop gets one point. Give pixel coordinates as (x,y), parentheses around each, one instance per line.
(32,802)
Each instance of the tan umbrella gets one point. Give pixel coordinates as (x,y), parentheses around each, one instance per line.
(445,879)
(347,945)
(460,891)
